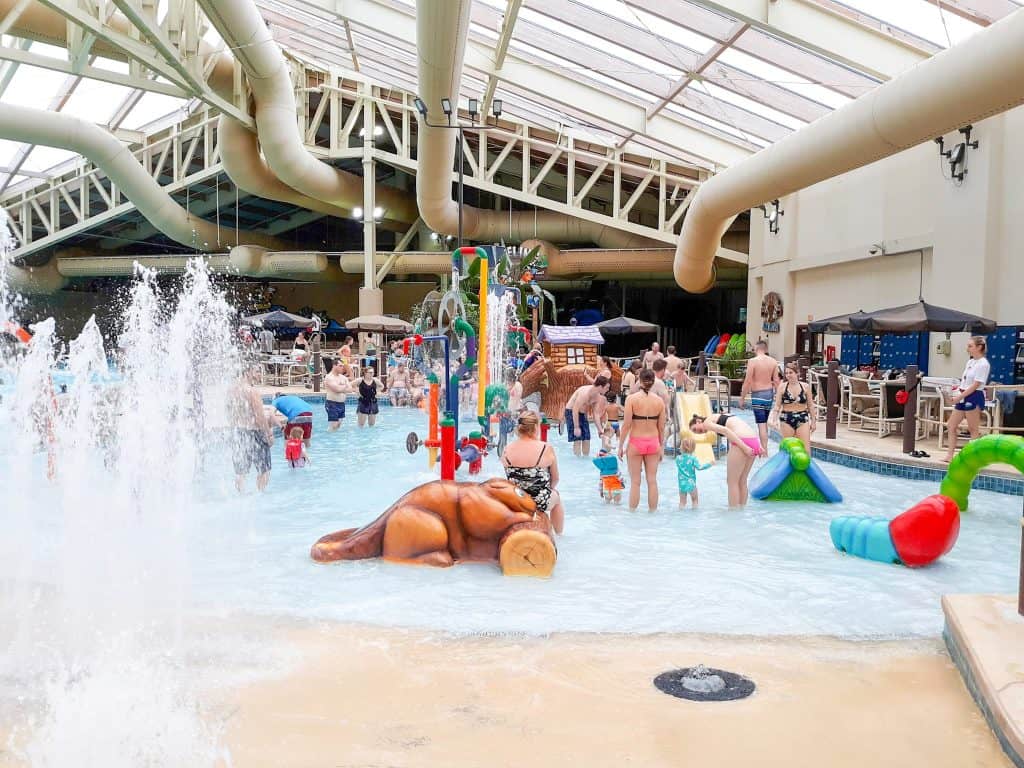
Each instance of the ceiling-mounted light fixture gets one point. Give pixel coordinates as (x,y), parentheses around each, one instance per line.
(377,131)
(473,109)
(378,213)
(496,107)
(357,212)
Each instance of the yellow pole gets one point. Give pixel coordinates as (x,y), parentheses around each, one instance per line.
(482,342)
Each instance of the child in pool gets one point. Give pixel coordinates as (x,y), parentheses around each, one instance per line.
(686,467)
(607,439)
(611,482)
(294,450)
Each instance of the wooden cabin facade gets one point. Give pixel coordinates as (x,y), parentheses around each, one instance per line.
(569,345)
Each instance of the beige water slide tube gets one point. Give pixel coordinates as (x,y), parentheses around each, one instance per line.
(977,78)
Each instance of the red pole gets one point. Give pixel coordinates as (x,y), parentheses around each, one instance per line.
(544,429)
(448,449)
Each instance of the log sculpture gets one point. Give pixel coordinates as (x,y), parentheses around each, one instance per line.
(444,522)
(556,385)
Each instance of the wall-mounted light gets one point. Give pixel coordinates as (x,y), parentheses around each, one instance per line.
(446,107)
(377,131)
(496,107)
(357,212)
(772,212)
(420,106)
(473,109)
(957,155)
(876,249)
(378,213)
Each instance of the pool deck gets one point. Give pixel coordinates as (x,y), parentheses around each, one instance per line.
(985,637)
(366,696)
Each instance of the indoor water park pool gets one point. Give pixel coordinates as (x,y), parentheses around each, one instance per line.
(769,569)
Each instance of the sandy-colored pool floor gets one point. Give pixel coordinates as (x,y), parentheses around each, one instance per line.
(362,697)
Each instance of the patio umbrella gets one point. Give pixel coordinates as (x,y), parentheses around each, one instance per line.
(278,319)
(837,324)
(621,326)
(921,316)
(378,324)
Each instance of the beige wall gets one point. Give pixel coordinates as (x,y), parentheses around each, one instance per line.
(971,237)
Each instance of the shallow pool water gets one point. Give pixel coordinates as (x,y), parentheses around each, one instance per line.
(767,570)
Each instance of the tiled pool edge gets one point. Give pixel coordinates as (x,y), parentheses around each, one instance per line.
(1012,486)
(952,634)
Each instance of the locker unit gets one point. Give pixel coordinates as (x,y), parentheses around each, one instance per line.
(898,350)
(1006,354)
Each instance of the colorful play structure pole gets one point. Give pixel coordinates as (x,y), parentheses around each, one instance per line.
(481,398)
(433,441)
(448,454)
(463,327)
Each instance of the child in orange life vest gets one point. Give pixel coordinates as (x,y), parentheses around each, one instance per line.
(611,482)
(294,450)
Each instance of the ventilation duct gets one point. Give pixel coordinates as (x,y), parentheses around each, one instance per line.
(978,78)
(53,129)
(442,27)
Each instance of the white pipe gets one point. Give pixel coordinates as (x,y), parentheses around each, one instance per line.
(244,30)
(54,129)
(442,27)
(239,151)
(240,155)
(978,78)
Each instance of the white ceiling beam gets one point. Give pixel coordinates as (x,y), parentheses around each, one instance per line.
(508,26)
(547,85)
(821,30)
(983,12)
(351,46)
(666,49)
(124,109)
(21,56)
(8,69)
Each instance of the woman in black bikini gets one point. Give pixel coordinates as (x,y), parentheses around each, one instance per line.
(792,412)
(532,465)
(367,409)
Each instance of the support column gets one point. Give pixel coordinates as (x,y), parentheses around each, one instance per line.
(371,297)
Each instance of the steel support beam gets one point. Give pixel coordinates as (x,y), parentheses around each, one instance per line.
(508,25)
(821,30)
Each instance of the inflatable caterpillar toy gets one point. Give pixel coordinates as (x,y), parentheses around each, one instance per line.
(929,529)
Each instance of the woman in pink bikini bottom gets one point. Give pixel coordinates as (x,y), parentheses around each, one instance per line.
(744,446)
(643,425)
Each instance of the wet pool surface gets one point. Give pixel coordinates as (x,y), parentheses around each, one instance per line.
(769,569)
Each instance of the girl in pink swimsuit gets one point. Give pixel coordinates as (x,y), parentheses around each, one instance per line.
(744,446)
(643,428)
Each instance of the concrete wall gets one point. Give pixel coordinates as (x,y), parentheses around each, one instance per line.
(966,237)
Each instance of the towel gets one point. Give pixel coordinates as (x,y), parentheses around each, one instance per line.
(1007,399)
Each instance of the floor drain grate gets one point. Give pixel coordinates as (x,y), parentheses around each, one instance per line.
(702,683)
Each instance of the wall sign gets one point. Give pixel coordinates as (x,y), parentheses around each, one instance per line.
(771,311)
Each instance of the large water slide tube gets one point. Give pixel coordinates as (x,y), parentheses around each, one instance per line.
(978,78)
(442,27)
(240,24)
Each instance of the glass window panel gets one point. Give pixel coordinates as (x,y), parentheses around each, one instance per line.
(43,158)
(95,101)
(919,17)
(33,87)
(750,105)
(152,106)
(8,149)
(759,69)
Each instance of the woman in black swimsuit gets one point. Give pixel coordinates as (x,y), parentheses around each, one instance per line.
(367,409)
(792,412)
(532,465)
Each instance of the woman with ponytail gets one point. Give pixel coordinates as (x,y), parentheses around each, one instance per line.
(643,427)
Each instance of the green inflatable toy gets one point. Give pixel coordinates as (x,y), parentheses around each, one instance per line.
(792,475)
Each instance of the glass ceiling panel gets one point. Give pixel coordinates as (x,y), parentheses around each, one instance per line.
(919,17)
(33,87)
(8,149)
(152,107)
(762,70)
(95,101)
(43,158)
(664,27)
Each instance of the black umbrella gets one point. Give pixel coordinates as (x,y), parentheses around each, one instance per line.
(837,324)
(622,326)
(920,316)
(278,319)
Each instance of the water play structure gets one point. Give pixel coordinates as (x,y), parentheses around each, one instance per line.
(792,475)
(928,529)
(688,405)
(442,523)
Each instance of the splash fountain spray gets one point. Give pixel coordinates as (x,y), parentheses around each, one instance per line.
(94,573)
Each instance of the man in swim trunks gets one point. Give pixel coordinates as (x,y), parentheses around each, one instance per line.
(586,398)
(760,384)
(654,353)
(337,388)
(297,411)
